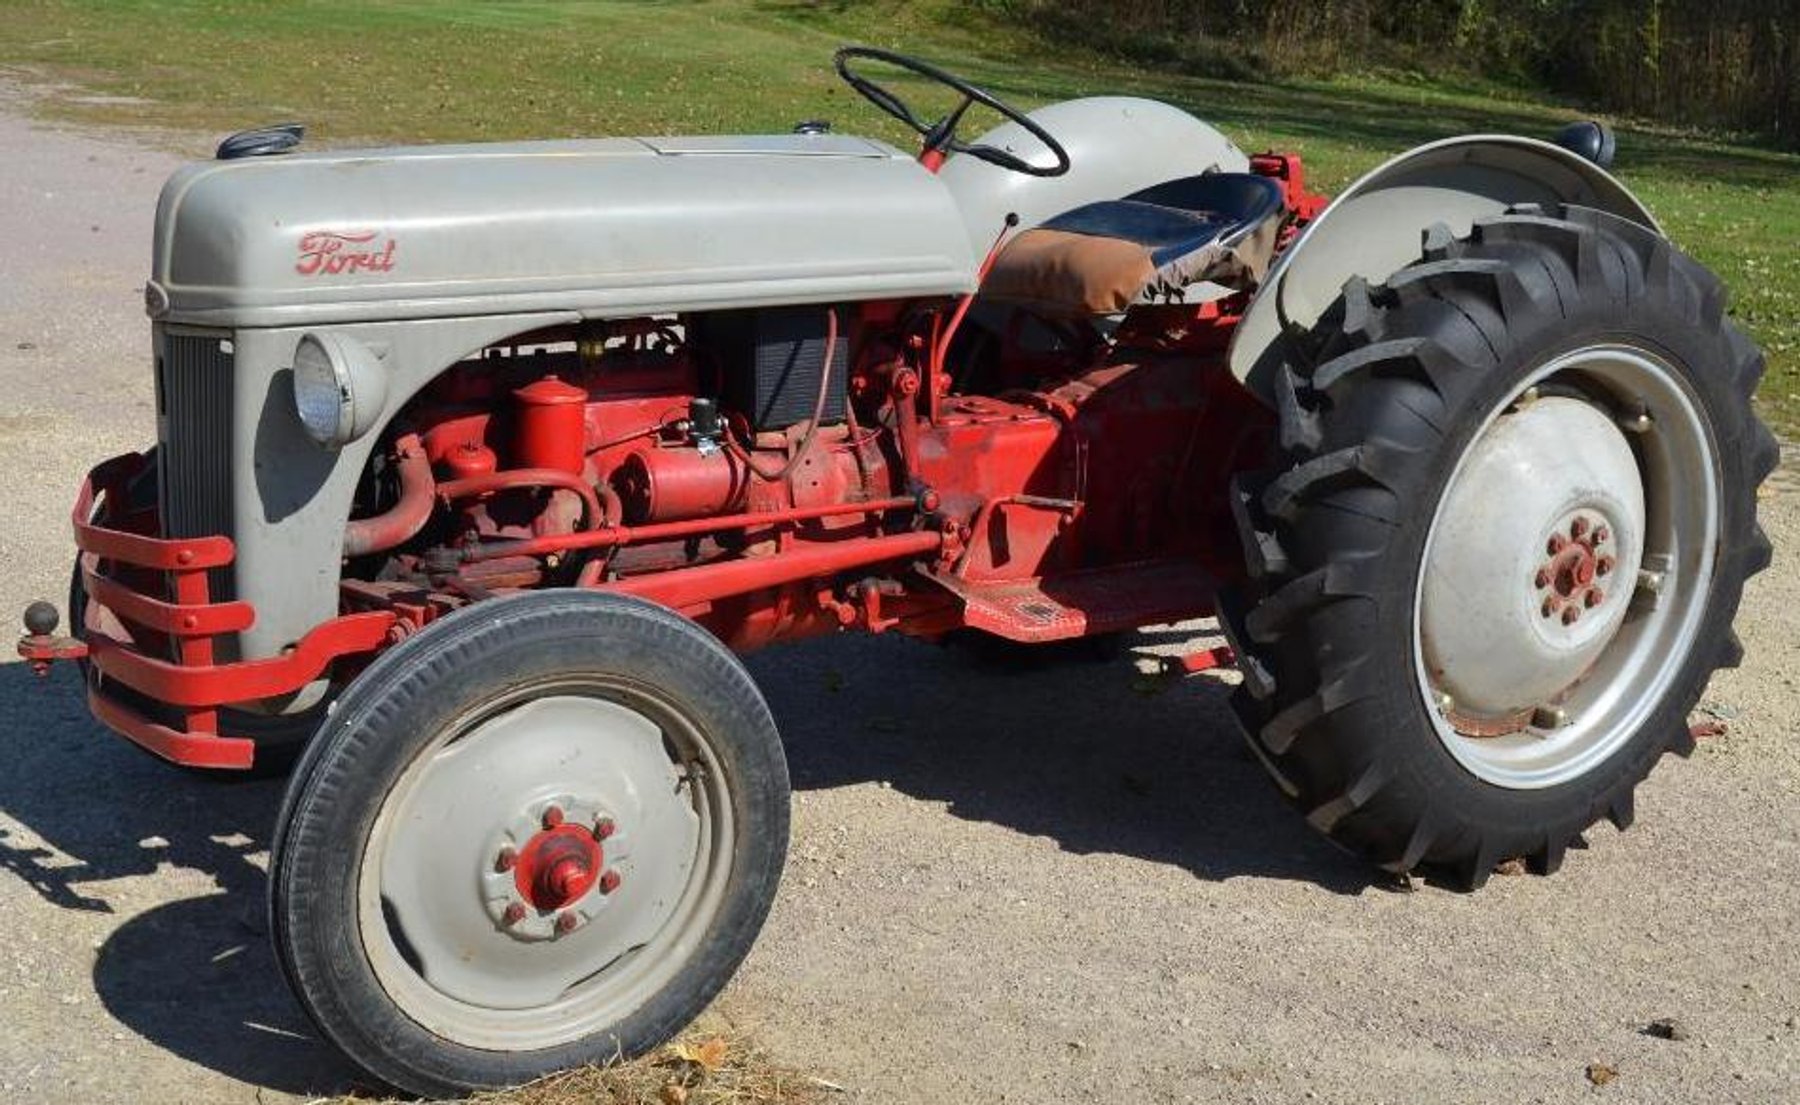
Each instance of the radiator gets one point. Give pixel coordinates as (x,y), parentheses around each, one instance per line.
(194,391)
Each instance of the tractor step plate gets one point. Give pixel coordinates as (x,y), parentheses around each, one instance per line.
(1084,603)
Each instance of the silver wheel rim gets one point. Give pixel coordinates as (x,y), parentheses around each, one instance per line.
(1492,596)
(439,904)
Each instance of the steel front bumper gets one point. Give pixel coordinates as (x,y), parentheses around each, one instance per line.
(171,706)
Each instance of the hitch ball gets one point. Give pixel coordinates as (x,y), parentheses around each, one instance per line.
(41,618)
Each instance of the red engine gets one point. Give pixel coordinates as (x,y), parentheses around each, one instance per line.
(726,464)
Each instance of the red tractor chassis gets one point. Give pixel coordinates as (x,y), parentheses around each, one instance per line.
(1078,487)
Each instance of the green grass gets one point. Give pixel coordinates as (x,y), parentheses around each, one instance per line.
(434,71)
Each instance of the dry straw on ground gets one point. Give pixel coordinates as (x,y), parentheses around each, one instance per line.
(700,1068)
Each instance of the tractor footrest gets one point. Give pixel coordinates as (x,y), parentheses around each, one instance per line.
(1084,603)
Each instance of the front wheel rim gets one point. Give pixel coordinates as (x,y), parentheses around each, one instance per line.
(1624,644)
(546,865)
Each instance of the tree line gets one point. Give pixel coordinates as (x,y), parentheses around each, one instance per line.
(1719,63)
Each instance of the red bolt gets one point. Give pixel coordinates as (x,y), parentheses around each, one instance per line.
(604,828)
(506,859)
(1570,613)
(185,556)
(562,879)
(553,816)
(1603,566)
(513,915)
(1543,577)
(566,922)
(609,882)
(1595,597)
(1577,528)
(1556,544)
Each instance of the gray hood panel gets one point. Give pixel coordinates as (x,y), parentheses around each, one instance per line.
(606,227)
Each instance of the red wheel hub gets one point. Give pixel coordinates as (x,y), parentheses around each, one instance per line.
(1572,577)
(558,865)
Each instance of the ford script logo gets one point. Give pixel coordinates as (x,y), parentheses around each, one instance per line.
(330,252)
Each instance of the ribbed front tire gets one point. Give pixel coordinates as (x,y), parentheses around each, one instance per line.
(540,833)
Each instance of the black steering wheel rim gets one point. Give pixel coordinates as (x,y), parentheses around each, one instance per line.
(941,135)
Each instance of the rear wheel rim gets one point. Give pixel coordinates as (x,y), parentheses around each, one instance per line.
(480,945)
(1621,647)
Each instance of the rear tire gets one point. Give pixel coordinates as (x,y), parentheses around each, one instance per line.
(1347,694)
(420,884)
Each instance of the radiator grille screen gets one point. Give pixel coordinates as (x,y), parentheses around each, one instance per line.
(194,385)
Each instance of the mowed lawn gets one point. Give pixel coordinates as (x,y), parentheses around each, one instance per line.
(442,70)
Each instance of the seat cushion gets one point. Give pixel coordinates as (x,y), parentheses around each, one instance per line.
(1103,257)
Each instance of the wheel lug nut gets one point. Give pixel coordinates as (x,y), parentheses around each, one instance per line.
(553,816)
(1603,566)
(604,828)
(1601,533)
(1556,544)
(566,922)
(507,858)
(1595,597)
(1570,613)
(1550,605)
(609,881)
(1543,577)
(513,915)
(1578,527)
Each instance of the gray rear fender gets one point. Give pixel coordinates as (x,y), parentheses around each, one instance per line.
(1117,145)
(1375,227)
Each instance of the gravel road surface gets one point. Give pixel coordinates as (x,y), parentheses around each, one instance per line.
(1068,884)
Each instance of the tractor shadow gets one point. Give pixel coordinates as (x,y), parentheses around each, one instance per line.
(86,820)
(1082,750)
(1071,749)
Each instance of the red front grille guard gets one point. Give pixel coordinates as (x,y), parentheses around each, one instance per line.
(193,682)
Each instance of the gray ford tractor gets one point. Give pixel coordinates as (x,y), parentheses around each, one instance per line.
(476,466)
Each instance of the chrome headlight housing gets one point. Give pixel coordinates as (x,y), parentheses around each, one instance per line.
(339,388)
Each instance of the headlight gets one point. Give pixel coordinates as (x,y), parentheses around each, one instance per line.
(339,388)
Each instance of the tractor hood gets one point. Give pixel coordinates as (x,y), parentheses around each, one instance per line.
(609,227)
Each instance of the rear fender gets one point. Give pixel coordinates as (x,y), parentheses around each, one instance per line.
(1375,226)
(1117,145)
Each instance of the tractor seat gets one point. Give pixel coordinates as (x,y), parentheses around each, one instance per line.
(1100,258)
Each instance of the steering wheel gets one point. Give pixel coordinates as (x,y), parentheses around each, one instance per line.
(940,137)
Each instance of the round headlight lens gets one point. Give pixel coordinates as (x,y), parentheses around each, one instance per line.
(339,388)
(322,393)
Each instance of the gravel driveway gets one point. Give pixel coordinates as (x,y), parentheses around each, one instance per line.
(1059,885)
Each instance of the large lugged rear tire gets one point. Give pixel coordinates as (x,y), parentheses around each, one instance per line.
(1502,555)
(539,834)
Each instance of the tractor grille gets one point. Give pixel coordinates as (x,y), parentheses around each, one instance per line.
(195,381)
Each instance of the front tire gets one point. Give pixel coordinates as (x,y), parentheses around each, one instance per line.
(1444,666)
(539,834)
